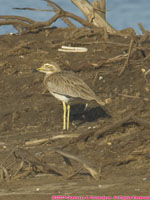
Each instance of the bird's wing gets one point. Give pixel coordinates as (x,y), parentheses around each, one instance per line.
(70,85)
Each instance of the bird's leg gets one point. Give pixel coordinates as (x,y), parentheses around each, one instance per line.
(68,116)
(64,115)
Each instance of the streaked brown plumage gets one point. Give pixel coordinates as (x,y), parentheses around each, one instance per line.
(66,85)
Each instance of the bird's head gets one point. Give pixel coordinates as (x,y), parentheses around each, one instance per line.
(49,68)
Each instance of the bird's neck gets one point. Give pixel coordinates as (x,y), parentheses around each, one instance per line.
(45,77)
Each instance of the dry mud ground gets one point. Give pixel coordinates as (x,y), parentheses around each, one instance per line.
(116,144)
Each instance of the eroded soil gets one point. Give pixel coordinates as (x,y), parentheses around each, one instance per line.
(122,155)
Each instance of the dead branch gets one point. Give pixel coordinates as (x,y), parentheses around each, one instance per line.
(112,127)
(144,37)
(8,156)
(75,173)
(102,5)
(4,173)
(142,28)
(15,23)
(110,60)
(19,18)
(127,60)
(59,14)
(140,121)
(92,15)
(92,171)
(78,19)
(57,8)
(43,140)
(24,25)
(26,156)
(129,96)
(116,58)
(28,25)
(100,42)
(103,131)
(34,9)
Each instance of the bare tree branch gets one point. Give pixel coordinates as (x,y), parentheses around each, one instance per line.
(34,9)
(99,7)
(56,8)
(92,15)
(24,24)
(19,18)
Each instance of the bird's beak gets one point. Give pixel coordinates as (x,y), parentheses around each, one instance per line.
(37,70)
(34,70)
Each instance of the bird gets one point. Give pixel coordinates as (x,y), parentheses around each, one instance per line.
(66,85)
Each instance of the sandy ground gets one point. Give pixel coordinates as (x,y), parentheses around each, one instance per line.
(120,154)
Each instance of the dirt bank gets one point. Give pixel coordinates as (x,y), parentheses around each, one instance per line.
(117,73)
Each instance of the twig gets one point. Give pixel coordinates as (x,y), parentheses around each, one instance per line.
(33,9)
(112,60)
(3,173)
(127,60)
(142,28)
(116,58)
(75,173)
(19,18)
(26,156)
(56,8)
(129,96)
(144,38)
(100,42)
(19,168)
(43,140)
(7,157)
(92,171)
(110,128)
(146,58)
(142,122)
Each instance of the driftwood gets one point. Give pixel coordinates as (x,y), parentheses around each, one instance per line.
(25,156)
(95,15)
(127,60)
(56,9)
(45,140)
(25,25)
(100,7)
(67,155)
(142,28)
(26,163)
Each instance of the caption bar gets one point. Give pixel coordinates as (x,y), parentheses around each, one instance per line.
(99,197)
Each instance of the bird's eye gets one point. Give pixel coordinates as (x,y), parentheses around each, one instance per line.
(47,66)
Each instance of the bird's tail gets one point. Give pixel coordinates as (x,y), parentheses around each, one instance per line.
(99,101)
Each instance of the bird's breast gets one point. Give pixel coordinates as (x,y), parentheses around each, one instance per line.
(61,97)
